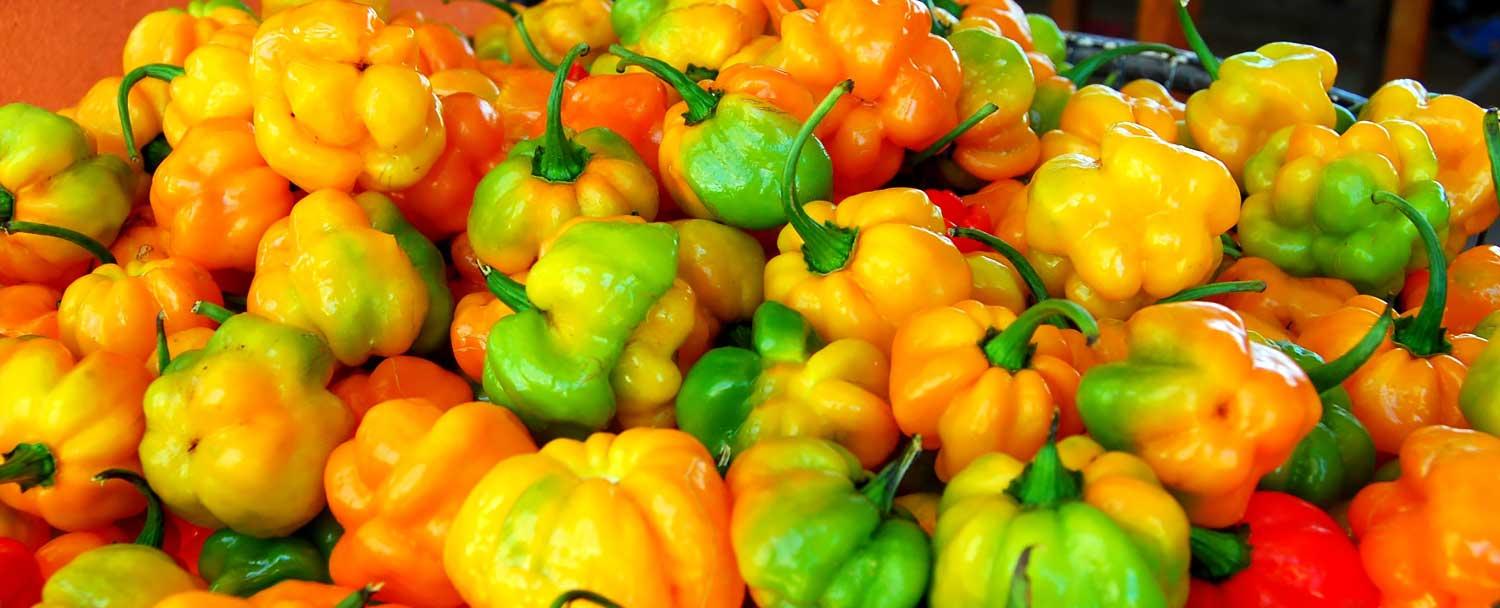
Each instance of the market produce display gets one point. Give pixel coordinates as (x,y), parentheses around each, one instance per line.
(718,303)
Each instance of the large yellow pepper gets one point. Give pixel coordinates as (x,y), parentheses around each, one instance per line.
(213,82)
(1094,109)
(556,26)
(339,100)
(683,33)
(169,35)
(1118,233)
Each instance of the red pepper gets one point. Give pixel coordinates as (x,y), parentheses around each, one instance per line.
(20,577)
(1294,555)
(183,541)
(959,214)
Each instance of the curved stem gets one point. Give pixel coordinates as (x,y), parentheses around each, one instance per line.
(536,53)
(154,527)
(1023,267)
(559,159)
(701,104)
(163,353)
(1045,482)
(213,311)
(1213,289)
(826,247)
(28,465)
(159,71)
(1081,73)
(1492,143)
(361,598)
(585,595)
(509,291)
(1333,373)
(1011,348)
(1219,555)
(1231,248)
(982,113)
(1423,336)
(1196,42)
(882,489)
(10,226)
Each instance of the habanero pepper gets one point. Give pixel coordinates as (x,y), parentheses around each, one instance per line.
(1479,399)
(286,594)
(240,564)
(1473,288)
(438,204)
(28,309)
(1289,305)
(171,35)
(631,105)
(995,71)
(1093,110)
(212,82)
(473,318)
(99,111)
(402,377)
(689,33)
(114,308)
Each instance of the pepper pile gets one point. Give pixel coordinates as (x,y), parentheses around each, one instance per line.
(689,303)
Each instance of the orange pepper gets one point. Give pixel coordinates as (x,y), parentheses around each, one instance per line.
(28,310)
(214,196)
(169,35)
(522,102)
(114,308)
(974,379)
(440,47)
(56,553)
(467,274)
(397,484)
(1289,305)
(438,204)
(631,105)
(469,335)
(285,594)
(402,377)
(1430,538)
(1473,288)
(140,241)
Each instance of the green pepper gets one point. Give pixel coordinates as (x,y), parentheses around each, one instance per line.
(1048,39)
(1480,397)
(806,535)
(1336,458)
(551,361)
(722,152)
(427,260)
(241,564)
(788,384)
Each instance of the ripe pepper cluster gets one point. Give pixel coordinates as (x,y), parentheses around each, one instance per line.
(689,303)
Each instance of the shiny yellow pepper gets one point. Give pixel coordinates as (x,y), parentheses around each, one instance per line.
(556,26)
(1093,110)
(169,35)
(683,33)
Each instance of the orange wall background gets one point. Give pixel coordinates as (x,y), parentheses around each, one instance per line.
(53,50)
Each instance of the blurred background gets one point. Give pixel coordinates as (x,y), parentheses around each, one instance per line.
(54,49)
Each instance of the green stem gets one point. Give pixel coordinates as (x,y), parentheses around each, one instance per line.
(1492,143)
(219,314)
(1333,373)
(1017,260)
(1423,336)
(1213,289)
(982,113)
(937,28)
(560,160)
(698,73)
(1195,41)
(509,291)
(1045,482)
(163,354)
(154,527)
(826,247)
(585,595)
(10,226)
(361,598)
(1011,348)
(1219,554)
(1081,73)
(536,53)
(701,104)
(1231,248)
(159,71)
(882,488)
(29,465)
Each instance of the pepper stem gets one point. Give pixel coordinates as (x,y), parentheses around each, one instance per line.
(560,160)
(882,488)
(509,291)
(826,247)
(163,353)
(11,226)
(1231,248)
(1213,289)
(1195,41)
(159,71)
(585,595)
(536,53)
(1491,124)
(1045,482)
(361,598)
(701,104)
(1333,373)
(1219,554)
(1080,74)
(1423,335)
(29,465)
(1023,267)
(982,113)
(1011,348)
(154,528)
(219,314)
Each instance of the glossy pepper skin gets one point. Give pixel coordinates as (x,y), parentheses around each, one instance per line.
(1479,399)
(995,70)
(20,578)
(114,308)
(1257,93)
(98,112)
(402,377)
(473,318)
(1294,555)
(237,433)
(689,33)
(28,309)
(355,272)
(725,267)
(996,209)
(63,419)
(1194,384)
(812,528)
(397,485)
(1426,538)
(171,35)
(1455,126)
(1310,212)
(214,197)
(1120,237)
(339,101)
(545,182)
(721,151)
(438,205)
(789,384)
(215,84)
(1095,528)
(286,594)
(239,564)
(1288,306)
(632,105)
(1473,288)
(648,499)
(50,175)
(558,26)
(1094,109)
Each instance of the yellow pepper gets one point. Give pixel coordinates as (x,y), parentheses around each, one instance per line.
(169,35)
(99,115)
(556,26)
(1094,109)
